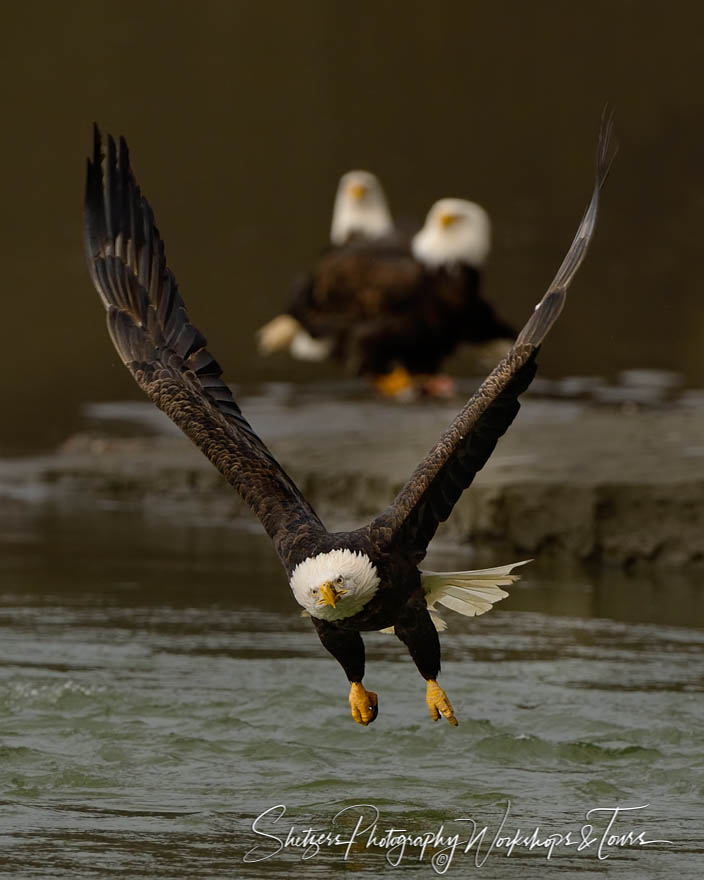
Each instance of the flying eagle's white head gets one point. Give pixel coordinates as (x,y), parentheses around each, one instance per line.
(360,209)
(334,585)
(455,231)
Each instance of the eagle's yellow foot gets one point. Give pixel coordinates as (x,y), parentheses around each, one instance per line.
(364,704)
(438,704)
(397,383)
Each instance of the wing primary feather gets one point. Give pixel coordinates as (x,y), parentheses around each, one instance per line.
(93,224)
(548,309)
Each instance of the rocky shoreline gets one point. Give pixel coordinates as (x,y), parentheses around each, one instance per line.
(618,484)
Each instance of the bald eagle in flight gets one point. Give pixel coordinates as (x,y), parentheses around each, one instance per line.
(349,582)
(393,311)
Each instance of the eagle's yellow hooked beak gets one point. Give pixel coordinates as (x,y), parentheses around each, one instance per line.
(357,190)
(329,594)
(447,220)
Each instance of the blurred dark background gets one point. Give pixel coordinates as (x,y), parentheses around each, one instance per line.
(241,116)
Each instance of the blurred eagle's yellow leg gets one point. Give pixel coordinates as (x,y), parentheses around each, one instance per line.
(393,384)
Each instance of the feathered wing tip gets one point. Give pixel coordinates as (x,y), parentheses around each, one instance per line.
(125,255)
(467,592)
(548,309)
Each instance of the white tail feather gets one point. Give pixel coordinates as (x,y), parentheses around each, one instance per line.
(440,623)
(467,592)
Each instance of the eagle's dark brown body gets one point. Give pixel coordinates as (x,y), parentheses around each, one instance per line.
(382,308)
(167,357)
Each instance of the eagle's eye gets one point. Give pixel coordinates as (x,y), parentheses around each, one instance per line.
(339,580)
(314,592)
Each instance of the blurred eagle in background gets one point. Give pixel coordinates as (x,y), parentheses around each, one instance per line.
(392,309)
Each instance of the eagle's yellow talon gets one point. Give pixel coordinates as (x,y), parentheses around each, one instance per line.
(397,383)
(364,704)
(438,704)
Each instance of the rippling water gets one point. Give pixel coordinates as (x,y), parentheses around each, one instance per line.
(159,691)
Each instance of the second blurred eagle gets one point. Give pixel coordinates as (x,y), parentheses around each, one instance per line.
(393,310)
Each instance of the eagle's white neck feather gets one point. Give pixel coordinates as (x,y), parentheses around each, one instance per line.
(360,209)
(467,239)
(359,575)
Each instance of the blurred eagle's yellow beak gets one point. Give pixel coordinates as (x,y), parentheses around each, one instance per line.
(448,220)
(357,191)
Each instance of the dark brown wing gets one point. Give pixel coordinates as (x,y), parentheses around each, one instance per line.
(167,356)
(439,480)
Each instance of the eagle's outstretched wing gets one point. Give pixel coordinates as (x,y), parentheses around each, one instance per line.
(435,486)
(167,355)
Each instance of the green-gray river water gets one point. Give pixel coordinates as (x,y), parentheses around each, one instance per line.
(159,691)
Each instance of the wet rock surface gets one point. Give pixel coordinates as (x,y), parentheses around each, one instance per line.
(619,482)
